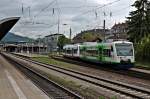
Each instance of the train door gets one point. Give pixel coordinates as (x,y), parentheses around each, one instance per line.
(112,53)
(100,53)
(72,52)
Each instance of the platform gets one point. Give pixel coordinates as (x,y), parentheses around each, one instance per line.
(14,85)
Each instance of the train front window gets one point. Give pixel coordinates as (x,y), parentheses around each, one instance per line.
(124,49)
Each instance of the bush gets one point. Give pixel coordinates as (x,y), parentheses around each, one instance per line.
(142,50)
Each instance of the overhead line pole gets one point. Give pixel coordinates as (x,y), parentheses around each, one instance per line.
(70,34)
(29,11)
(58,24)
(39,42)
(104,26)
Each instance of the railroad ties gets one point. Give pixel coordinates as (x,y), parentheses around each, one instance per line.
(52,89)
(119,87)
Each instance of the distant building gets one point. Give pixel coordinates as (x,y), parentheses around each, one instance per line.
(101,31)
(119,31)
(51,42)
(24,47)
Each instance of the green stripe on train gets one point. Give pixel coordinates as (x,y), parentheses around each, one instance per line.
(96,59)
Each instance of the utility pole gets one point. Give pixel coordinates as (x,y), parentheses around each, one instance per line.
(29,11)
(39,37)
(22,10)
(58,25)
(28,47)
(58,29)
(32,47)
(70,33)
(104,26)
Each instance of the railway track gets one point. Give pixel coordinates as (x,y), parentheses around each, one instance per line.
(52,89)
(133,72)
(118,87)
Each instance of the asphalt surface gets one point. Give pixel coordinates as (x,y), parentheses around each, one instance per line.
(14,85)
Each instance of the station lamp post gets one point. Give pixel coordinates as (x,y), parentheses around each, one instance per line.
(39,42)
(70,31)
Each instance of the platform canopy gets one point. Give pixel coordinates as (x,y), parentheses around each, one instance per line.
(6,24)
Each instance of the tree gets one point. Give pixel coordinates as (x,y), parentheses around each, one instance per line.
(139,21)
(62,40)
(88,37)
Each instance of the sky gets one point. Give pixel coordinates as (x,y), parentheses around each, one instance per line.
(41,17)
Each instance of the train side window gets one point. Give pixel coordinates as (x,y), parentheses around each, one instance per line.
(68,51)
(92,53)
(83,51)
(107,52)
(75,51)
(64,50)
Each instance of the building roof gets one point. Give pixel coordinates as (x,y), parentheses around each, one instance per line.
(119,25)
(6,24)
(54,35)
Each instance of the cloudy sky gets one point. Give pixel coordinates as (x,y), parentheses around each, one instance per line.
(41,17)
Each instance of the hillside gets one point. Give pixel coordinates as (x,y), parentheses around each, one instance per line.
(11,37)
(89,36)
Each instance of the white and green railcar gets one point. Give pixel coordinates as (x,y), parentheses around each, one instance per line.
(119,53)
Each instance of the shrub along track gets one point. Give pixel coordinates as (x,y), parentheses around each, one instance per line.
(118,87)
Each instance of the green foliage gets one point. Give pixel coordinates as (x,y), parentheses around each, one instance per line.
(143,50)
(139,30)
(114,97)
(62,40)
(88,37)
(101,97)
(139,21)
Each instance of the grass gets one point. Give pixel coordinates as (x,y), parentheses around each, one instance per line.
(142,64)
(49,60)
(101,97)
(86,92)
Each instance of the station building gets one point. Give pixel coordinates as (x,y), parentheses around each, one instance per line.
(51,42)
(25,47)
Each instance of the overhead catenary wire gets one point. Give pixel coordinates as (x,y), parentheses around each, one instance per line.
(111,14)
(98,7)
(43,9)
(59,16)
(37,14)
(95,13)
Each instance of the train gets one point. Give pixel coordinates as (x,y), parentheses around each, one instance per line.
(118,54)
